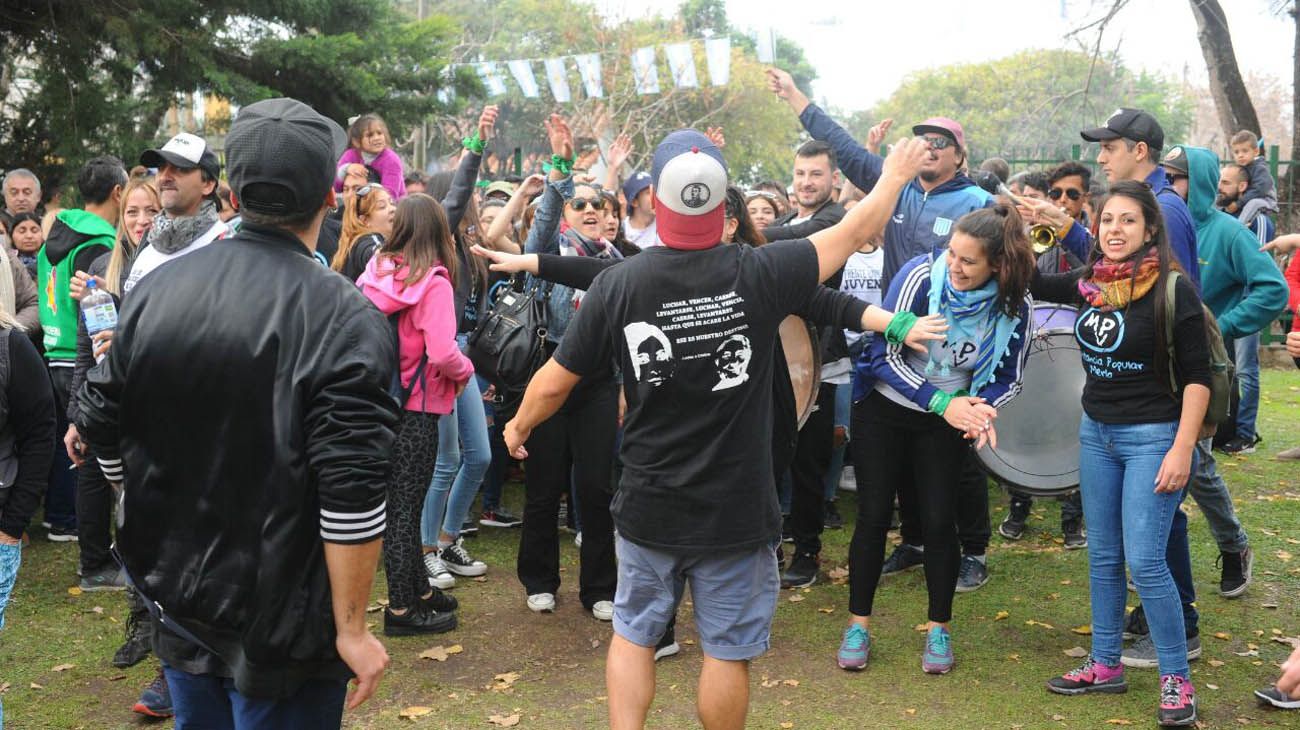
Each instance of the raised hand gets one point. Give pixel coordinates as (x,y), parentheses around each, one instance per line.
(876,135)
(906,157)
(532,186)
(561,137)
(487,122)
(716,137)
(618,152)
(781,83)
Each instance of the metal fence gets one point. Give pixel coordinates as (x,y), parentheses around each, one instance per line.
(1288,217)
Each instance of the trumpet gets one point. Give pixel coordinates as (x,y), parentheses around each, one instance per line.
(1043,238)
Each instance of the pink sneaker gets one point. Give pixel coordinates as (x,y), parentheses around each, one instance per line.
(1177,702)
(1090,677)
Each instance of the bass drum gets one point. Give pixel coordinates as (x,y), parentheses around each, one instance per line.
(803,358)
(1038,431)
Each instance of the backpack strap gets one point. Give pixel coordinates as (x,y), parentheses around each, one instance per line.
(1171,283)
(405,389)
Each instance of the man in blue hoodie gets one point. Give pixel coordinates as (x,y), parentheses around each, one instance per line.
(1244,289)
(922,223)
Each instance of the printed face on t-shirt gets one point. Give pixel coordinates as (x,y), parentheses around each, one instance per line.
(732,362)
(654,361)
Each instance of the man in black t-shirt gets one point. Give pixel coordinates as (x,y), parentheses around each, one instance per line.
(693,324)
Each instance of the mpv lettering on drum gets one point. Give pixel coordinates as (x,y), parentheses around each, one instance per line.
(1100,331)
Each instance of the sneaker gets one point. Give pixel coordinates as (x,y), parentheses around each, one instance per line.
(1135,625)
(63,534)
(802,571)
(973,575)
(577,539)
(1013,525)
(904,557)
(1090,677)
(418,620)
(1076,538)
(156,699)
(139,641)
(1177,702)
(439,602)
(1273,696)
(439,576)
(498,518)
(787,535)
(1235,577)
(458,560)
(468,528)
(831,519)
(849,479)
(937,658)
(855,647)
(105,579)
(1238,446)
(541,602)
(603,610)
(1141,654)
(667,645)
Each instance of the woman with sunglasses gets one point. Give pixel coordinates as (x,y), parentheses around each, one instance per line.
(367,221)
(577,443)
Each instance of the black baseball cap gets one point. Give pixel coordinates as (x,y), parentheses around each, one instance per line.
(186,151)
(1133,124)
(1176,161)
(281,156)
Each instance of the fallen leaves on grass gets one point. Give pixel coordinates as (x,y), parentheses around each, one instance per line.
(828,609)
(483,578)
(1013,657)
(1077,652)
(1058,718)
(415,711)
(1118,721)
(504,720)
(1222,635)
(4,687)
(1215,663)
(74,591)
(1066,582)
(37,686)
(1084,630)
(796,598)
(910,710)
(787,725)
(1212,686)
(505,680)
(1001,615)
(1291,641)
(1283,555)
(922,627)
(63,667)
(1248,652)
(1032,622)
(440,653)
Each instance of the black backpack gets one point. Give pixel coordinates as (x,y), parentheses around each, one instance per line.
(509,343)
(402,393)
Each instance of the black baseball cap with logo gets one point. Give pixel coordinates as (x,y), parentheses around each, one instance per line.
(1133,124)
(281,156)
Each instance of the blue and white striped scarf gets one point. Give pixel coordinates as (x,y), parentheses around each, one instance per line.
(971,315)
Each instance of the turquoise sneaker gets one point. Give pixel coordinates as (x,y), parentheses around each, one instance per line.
(854,649)
(937,658)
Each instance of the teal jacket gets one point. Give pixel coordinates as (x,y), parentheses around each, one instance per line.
(1240,284)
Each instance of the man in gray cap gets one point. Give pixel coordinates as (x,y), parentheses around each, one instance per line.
(254,504)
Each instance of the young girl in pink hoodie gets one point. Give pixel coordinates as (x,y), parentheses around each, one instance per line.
(412,276)
(370,144)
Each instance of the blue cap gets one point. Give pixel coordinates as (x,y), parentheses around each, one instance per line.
(639,181)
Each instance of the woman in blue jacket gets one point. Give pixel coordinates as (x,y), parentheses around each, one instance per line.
(914,411)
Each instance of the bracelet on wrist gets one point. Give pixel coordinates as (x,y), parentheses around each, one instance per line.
(473,144)
(561,163)
(899,325)
(939,402)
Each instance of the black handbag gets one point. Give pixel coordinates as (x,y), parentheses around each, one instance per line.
(509,343)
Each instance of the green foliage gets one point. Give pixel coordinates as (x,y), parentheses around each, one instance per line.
(1034,103)
(98,78)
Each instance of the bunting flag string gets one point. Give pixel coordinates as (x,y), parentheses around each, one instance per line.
(680,57)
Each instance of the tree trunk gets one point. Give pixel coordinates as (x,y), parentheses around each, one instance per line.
(1231,99)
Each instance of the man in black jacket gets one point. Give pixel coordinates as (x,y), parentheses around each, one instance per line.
(256,526)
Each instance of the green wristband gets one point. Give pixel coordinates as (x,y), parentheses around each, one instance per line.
(473,144)
(899,326)
(565,166)
(939,402)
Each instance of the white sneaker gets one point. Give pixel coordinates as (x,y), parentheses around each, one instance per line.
(603,610)
(848,479)
(439,576)
(577,539)
(458,560)
(543,603)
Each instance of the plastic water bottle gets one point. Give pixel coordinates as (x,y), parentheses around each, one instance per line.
(99,312)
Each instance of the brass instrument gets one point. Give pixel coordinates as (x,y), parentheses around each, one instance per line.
(1043,237)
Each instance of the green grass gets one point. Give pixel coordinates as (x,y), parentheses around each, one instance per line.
(998,682)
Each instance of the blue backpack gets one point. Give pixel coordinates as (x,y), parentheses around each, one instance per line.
(402,393)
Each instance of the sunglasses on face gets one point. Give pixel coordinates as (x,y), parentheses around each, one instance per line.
(751,194)
(939,142)
(1071,193)
(580,204)
(362,192)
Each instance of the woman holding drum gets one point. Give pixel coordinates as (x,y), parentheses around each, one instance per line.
(912,411)
(1137,435)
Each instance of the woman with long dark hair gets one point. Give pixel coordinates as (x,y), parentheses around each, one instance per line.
(913,411)
(1141,418)
(412,276)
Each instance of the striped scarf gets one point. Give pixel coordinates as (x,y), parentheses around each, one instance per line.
(1111,285)
(971,315)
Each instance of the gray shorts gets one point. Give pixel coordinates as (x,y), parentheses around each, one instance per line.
(734,596)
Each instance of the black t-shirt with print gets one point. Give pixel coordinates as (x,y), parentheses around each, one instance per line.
(1118,352)
(695,332)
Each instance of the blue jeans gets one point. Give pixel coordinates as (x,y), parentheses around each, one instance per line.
(843,406)
(11,556)
(1128,522)
(1211,494)
(1247,358)
(206,702)
(463,456)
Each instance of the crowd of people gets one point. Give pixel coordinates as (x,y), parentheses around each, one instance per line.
(338,416)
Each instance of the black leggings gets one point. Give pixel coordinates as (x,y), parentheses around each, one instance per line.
(904,445)
(415,453)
